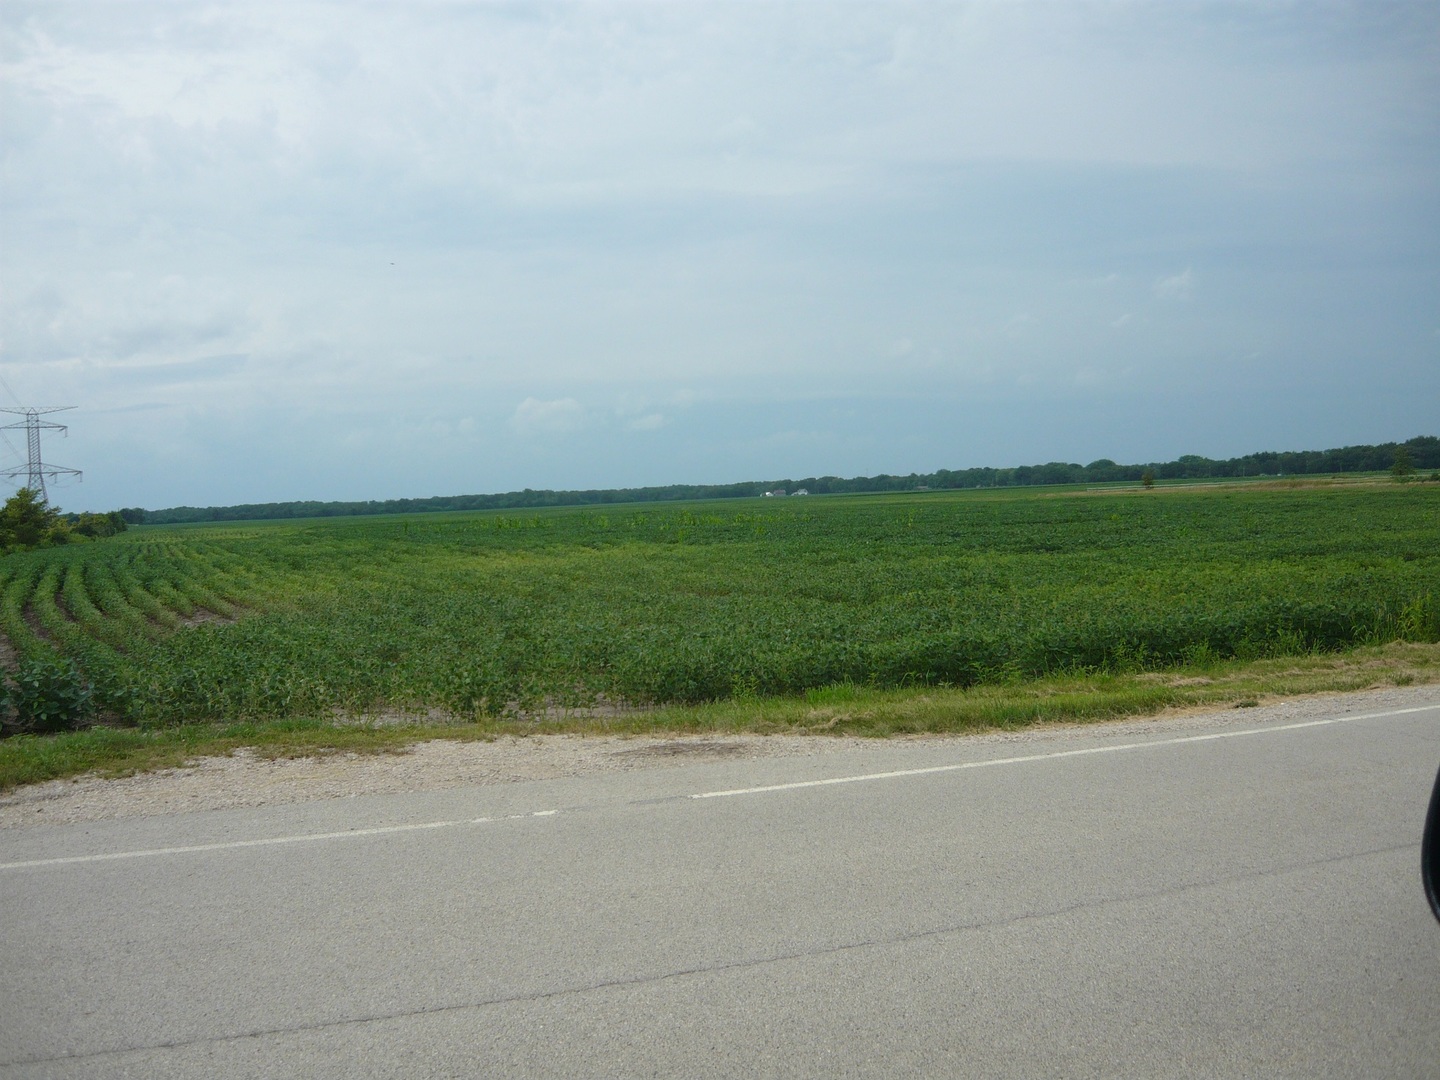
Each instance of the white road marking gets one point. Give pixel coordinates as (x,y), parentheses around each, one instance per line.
(385,830)
(861,778)
(300,838)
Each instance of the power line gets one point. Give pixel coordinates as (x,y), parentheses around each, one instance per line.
(9,444)
(36,470)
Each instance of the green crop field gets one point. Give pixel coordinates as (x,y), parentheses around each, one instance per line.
(497,613)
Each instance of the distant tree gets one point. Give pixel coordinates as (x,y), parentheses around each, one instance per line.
(1404,466)
(1102,470)
(1148,478)
(96,526)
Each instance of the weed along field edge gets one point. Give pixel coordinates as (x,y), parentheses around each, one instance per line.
(873,615)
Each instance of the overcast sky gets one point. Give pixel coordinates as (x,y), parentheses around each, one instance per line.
(343,251)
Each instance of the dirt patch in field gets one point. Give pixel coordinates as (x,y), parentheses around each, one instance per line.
(202,616)
(33,621)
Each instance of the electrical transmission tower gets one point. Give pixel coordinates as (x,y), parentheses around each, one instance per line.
(37,470)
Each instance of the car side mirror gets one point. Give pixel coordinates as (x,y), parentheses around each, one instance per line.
(1430,851)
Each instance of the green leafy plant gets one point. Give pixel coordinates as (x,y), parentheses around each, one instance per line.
(49,695)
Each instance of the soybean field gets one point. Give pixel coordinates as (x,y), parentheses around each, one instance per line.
(484,614)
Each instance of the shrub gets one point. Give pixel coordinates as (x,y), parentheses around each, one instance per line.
(27,521)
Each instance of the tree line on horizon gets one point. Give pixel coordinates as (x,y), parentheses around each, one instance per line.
(1423,453)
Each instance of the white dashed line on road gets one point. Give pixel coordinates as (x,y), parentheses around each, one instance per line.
(301,838)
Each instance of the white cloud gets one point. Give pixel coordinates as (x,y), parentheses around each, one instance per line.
(649,422)
(1176,287)
(535,417)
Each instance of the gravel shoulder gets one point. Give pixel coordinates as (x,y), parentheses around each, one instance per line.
(243,780)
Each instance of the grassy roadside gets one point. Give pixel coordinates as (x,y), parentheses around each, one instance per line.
(837,710)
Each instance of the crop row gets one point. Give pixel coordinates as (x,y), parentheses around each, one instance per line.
(97,601)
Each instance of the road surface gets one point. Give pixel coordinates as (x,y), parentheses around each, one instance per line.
(1232,896)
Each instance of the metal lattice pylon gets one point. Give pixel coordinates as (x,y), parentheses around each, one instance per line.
(35,471)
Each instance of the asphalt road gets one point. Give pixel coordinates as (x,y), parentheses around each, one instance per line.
(1239,899)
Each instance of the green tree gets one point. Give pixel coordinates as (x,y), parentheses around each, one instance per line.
(27,521)
(98,525)
(1148,478)
(1403,467)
